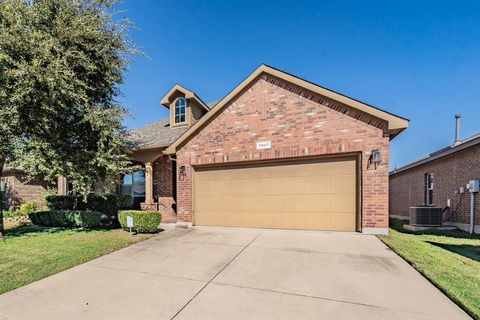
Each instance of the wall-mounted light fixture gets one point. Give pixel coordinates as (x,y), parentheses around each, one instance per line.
(375,158)
(182,172)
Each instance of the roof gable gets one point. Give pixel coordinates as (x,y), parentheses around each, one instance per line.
(395,124)
(187,93)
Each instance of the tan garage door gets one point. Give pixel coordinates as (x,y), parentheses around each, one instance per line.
(318,195)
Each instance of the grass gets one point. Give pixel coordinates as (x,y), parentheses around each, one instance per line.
(449,259)
(29,253)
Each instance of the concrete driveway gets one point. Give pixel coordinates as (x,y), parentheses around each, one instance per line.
(230,273)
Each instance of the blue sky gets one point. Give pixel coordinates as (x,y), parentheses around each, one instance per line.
(418,59)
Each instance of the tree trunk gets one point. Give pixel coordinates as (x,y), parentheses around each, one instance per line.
(2,228)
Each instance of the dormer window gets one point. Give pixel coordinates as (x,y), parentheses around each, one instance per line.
(180,106)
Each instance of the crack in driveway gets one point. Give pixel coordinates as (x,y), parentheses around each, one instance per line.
(213,278)
(317,297)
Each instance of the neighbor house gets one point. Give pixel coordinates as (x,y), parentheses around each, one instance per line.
(16,189)
(276,152)
(439,179)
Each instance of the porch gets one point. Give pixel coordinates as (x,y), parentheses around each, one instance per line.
(156,190)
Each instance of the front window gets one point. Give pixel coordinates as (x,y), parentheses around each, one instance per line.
(133,185)
(429,189)
(180,105)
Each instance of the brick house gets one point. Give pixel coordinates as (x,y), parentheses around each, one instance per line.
(436,180)
(276,152)
(17,190)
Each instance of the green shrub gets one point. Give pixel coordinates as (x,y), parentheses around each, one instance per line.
(15,213)
(108,204)
(56,202)
(143,221)
(124,202)
(27,207)
(66,218)
(8,213)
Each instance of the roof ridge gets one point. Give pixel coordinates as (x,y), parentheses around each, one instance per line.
(395,124)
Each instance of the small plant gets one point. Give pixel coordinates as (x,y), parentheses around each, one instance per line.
(143,221)
(22,211)
(27,208)
(9,213)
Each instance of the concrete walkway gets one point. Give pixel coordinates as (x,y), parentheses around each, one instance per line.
(230,273)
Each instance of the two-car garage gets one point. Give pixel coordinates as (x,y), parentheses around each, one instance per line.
(281,152)
(319,194)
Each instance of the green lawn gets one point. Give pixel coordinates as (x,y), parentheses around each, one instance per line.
(449,259)
(29,253)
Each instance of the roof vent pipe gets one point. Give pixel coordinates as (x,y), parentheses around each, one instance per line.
(457,129)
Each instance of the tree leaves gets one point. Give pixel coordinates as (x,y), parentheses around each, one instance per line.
(61,62)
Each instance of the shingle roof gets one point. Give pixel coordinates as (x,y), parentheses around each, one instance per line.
(158,133)
(461,145)
(212,104)
(155,134)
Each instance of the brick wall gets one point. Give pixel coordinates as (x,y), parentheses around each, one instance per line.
(163,188)
(18,190)
(450,173)
(298,123)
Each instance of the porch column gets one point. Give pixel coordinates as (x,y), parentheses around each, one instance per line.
(148,183)
(62,186)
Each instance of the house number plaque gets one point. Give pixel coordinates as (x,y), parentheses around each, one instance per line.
(264,145)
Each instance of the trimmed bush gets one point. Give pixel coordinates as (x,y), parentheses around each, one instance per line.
(143,221)
(108,204)
(55,202)
(66,218)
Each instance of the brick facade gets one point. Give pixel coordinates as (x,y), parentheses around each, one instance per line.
(19,190)
(450,173)
(298,123)
(163,192)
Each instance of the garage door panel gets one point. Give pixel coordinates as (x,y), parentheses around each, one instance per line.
(279,203)
(308,221)
(319,195)
(281,170)
(285,186)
